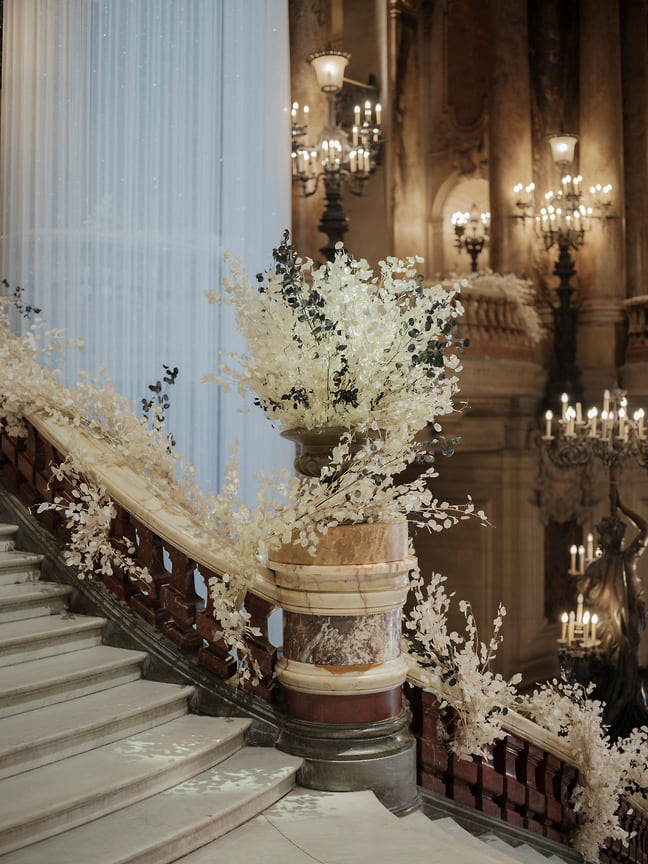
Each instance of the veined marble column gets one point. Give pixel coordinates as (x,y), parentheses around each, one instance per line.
(509,134)
(634,38)
(634,70)
(601,261)
(341,671)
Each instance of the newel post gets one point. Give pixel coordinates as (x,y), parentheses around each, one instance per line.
(341,673)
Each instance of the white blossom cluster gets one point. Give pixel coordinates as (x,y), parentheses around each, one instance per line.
(457,667)
(609,768)
(89,514)
(339,346)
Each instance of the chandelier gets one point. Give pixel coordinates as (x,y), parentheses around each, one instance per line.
(337,155)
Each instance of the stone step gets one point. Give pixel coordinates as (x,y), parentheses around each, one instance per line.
(168,825)
(50,734)
(26,686)
(7,537)
(19,567)
(38,638)
(32,599)
(60,796)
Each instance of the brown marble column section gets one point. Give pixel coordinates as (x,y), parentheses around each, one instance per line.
(634,71)
(509,134)
(310,30)
(601,261)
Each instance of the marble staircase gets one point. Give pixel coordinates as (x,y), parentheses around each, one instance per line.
(99,765)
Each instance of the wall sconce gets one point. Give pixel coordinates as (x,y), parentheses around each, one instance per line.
(471,232)
(338,155)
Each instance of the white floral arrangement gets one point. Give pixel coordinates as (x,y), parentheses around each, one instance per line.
(457,668)
(610,768)
(338,346)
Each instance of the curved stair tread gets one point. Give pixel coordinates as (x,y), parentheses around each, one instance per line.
(89,785)
(21,600)
(45,626)
(169,824)
(57,731)
(24,686)
(307,826)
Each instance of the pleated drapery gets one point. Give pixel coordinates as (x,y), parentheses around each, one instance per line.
(140,140)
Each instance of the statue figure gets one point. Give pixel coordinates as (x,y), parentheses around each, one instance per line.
(612,587)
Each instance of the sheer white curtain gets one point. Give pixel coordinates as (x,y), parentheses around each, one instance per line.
(140,140)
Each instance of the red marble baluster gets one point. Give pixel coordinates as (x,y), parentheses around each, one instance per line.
(146,602)
(263,652)
(506,754)
(179,599)
(433,766)
(215,655)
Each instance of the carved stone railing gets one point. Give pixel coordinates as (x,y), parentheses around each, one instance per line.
(527,781)
(637,312)
(499,324)
(167,541)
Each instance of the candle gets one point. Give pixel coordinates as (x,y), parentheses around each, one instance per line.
(565,401)
(590,547)
(606,401)
(581,559)
(639,419)
(604,423)
(355,136)
(356,115)
(573,551)
(592,414)
(563,632)
(367,111)
(352,161)
(548,419)
(306,110)
(378,113)
(571,416)
(570,629)
(579,412)
(621,423)
(594,623)
(579,609)
(586,620)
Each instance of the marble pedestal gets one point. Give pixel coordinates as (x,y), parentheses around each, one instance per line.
(341,672)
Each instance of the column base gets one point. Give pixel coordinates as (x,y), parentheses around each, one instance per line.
(379,756)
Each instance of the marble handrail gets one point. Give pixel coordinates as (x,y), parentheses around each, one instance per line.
(143,500)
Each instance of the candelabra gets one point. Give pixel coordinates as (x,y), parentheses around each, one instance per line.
(338,156)
(563,222)
(471,232)
(610,436)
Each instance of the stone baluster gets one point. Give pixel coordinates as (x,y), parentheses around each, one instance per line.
(178,598)
(507,753)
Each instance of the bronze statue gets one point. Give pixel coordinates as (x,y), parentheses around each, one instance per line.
(611,586)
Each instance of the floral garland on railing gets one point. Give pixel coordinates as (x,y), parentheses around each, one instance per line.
(455,668)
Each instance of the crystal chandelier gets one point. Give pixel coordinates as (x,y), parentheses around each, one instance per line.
(471,232)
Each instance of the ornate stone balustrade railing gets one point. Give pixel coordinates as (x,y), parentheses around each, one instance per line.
(527,780)
(168,542)
(637,312)
(498,318)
